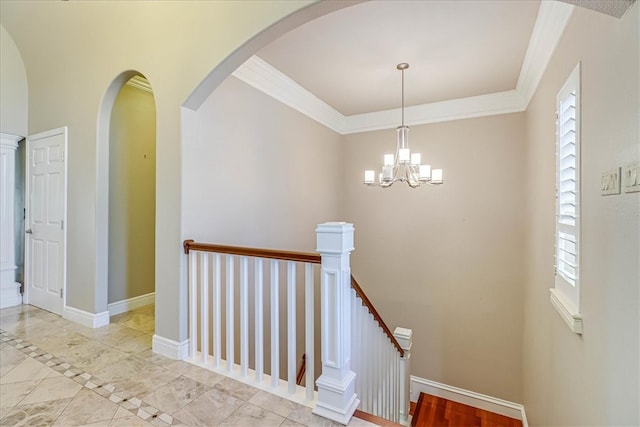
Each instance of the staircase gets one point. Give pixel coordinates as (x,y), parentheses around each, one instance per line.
(253,314)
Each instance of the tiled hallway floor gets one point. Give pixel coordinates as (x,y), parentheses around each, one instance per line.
(54,372)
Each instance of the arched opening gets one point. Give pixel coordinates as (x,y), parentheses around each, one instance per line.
(132,189)
(126,179)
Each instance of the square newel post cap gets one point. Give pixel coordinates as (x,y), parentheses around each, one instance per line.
(404,337)
(334,237)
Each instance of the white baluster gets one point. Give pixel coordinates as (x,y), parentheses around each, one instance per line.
(381,371)
(309,331)
(387,378)
(396,404)
(230,314)
(404,338)
(392,383)
(193,302)
(244,316)
(355,365)
(336,386)
(259,318)
(204,308)
(379,385)
(291,326)
(367,374)
(217,304)
(275,325)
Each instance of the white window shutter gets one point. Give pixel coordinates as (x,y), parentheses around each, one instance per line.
(566,293)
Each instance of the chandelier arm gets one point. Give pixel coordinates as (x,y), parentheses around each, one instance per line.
(411,182)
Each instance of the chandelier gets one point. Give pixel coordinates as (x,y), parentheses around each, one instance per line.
(404,166)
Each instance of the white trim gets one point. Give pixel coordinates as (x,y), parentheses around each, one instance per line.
(85,318)
(566,310)
(10,295)
(131,303)
(552,19)
(140,83)
(8,140)
(170,348)
(261,75)
(454,109)
(466,397)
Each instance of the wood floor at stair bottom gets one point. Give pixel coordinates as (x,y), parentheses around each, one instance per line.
(432,411)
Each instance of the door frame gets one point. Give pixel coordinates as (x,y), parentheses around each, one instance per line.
(27,205)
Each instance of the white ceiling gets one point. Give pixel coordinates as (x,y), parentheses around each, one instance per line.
(456,49)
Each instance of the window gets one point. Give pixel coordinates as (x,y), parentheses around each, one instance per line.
(565,295)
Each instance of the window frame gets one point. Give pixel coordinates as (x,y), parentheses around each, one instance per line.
(565,295)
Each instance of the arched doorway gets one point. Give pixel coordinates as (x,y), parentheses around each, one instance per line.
(122,297)
(132,174)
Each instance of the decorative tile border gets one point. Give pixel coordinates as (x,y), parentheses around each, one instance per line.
(122,398)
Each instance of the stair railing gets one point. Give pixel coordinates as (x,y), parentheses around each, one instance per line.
(364,365)
(217,269)
(381,360)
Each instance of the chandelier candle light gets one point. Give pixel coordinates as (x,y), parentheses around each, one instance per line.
(405,166)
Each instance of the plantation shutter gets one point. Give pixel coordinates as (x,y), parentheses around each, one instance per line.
(565,295)
(567,188)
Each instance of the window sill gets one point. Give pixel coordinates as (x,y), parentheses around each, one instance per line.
(567,311)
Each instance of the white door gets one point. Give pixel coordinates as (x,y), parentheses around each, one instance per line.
(45,203)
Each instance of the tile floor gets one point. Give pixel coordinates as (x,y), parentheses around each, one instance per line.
(54,372)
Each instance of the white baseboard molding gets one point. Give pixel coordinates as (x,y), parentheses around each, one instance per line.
(10,295)
(170,348)
(131,303)
(466,397)
(90,320)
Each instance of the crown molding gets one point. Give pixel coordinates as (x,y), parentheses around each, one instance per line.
(141,83)
(261,75)
(552,19)
(454,109)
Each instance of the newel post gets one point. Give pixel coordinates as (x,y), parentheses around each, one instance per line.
(337,399)
(404,338)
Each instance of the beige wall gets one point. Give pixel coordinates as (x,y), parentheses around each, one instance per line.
(132,195)
(257,173)
(447,261)
(13,86)
(591,379)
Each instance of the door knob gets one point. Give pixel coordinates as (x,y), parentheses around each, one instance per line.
(29,231)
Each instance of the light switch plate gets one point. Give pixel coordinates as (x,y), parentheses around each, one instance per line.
(610,183)
(631,177)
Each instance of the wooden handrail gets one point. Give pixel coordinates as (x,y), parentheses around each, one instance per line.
(367,302)
(292,256)
(253,252)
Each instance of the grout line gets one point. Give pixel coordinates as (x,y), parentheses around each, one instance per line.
(122,398)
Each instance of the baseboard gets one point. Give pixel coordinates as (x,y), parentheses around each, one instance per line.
(90,320)
(131,303)
(10,295)
(471,398)
(170,348)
